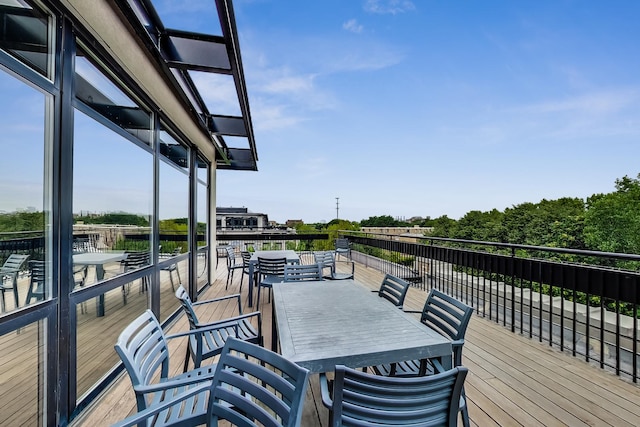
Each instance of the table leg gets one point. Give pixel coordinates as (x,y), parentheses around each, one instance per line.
(100,298)
(250,295)
(274,330)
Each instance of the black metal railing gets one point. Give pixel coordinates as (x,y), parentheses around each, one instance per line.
(582,302)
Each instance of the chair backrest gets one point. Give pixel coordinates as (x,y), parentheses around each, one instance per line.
(13,264)
(394,289)
(254,386)
(447,316)
(325,259)
(187,306)
(231,255)
(135,260)
(246,258)
(271,266)
(302,272)
(143,349)
(431,400)
(37,281)
(342,244)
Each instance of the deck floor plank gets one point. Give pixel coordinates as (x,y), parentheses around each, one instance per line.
(513,380)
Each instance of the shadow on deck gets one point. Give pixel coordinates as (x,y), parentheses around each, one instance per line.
(512,381)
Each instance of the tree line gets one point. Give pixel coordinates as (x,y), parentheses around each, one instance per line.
(603,222)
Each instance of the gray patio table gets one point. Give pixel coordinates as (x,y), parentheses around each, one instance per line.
(291,256)
(98,259)
(321,324)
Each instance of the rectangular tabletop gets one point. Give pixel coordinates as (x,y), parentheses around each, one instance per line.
(291,256)
(321,324)
(98,259)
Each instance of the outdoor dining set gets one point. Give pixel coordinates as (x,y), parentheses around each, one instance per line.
(377,364)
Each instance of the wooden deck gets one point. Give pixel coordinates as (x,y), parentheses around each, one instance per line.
(512,381)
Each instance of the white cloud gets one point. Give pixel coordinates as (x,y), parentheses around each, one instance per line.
(388,7)
(596,103)
(268,116)
(353,26)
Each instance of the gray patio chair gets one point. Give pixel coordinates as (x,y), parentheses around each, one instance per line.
(356,398)
(143,348)
(246,260)
(271,270)
(134,261)
(207,343)
(450,318)
(9,277)
(343,247)
(302,272)
(80,273)
(326,259)
(232,265)
(393,289)
(37,281)
(251,387)
(171,268)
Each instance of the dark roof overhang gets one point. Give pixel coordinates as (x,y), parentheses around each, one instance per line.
(183,51)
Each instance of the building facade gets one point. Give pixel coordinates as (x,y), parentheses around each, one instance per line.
(100,112)
(234,220)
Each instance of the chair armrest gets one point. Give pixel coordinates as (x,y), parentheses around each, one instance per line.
(221,299)
(231,321)
(173,384)
(324,390)
(142,416)
(202,329)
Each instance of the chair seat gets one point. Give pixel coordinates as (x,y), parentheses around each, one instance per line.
(339,276)
(409,368)
(196,410)
(213,341)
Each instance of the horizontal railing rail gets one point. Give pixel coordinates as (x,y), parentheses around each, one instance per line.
(583,302)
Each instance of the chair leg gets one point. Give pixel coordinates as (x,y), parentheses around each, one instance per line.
(15,292)
(258,301)
(465,410)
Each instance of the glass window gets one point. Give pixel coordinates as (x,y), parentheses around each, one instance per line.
(173,219)
(24,193)
(25,33)
(112,203)
(97,91)
(203,237)
(23,389)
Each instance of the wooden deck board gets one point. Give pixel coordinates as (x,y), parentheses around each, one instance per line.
(513,380)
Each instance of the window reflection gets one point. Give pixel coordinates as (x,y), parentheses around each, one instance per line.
(112,201)
(173,223)
(23,367)
(202,233)
(24,210)
(103,96)
(25,34)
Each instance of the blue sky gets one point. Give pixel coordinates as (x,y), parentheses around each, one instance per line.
(427,108)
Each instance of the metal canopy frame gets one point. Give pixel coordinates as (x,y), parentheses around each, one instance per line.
(182,51)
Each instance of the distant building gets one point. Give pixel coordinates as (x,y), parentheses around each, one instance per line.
(292,223)
(240,220)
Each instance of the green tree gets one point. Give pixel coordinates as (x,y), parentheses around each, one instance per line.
(612,221)
(381,221)
(444,226)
